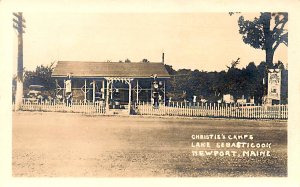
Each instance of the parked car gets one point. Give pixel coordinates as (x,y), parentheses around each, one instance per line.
(35,94)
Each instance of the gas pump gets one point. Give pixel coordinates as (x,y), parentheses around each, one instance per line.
(155,93)
(116,99)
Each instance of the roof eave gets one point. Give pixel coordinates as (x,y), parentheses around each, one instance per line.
(64,76)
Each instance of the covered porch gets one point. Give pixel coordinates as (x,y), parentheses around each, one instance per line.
(116,86)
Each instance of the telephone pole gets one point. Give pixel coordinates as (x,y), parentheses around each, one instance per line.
(19,25)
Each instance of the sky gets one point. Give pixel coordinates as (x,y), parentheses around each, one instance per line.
(204,41)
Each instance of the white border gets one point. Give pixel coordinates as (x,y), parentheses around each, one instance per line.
(7,7)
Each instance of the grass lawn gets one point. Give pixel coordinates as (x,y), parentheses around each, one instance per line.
(74,145)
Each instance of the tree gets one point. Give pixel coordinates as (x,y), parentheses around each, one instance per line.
(170,69)
(127,61)
(234,63)
(145,60)
(41,76)
(266,32)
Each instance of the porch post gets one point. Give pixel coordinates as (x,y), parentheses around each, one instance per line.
(137,91)
(151,94)
(164,92)
(64,90)
(107,95)
(56,83)
(94,91)
(84,90)
(111,93)
(129,102)
(103,87)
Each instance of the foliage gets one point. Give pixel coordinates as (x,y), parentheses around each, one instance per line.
(127,61)
(40,76)
(234,63)
(247,82)
(185,83)
(145,60)
(266,32)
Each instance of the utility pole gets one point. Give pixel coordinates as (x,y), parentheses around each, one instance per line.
(19,25)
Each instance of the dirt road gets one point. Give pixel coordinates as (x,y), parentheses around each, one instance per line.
(73,145)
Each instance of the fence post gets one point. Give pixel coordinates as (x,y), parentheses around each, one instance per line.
(254,111)
(206,110)
(227,110)
(218,110)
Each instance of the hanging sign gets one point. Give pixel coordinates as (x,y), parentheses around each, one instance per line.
(68,86)
(274,84)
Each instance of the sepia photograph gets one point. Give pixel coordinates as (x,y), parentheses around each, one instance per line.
(150,95)
(95,94)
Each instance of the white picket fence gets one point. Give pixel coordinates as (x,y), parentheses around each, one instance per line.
(74,107)
(215,110)
(172,109)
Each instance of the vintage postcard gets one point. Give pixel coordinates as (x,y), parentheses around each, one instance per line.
(184,93)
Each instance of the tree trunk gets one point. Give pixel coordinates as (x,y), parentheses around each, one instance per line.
(269,57)
(266,17)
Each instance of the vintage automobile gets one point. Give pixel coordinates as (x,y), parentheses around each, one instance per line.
(35,94)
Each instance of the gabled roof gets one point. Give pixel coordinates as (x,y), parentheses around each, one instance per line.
(109,69)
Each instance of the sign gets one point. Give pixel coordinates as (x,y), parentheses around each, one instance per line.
(194,99)
(68,86)
(274,84)
(227,98)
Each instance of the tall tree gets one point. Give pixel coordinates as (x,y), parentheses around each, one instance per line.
(266,32)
